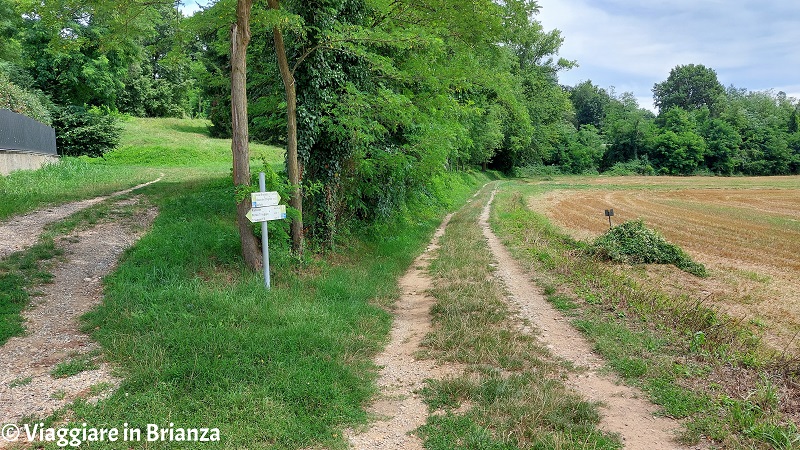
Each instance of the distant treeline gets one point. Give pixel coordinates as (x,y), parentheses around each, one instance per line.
(701,128)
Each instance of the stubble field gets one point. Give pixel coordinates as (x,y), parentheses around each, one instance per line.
(745,230)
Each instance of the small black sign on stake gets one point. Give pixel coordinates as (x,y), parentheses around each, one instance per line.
(609,214)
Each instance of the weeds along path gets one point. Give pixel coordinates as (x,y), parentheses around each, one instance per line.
(400,409)
(624,409)
(20,232)
(55,363)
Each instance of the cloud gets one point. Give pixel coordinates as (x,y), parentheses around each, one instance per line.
(189,7)
(633,45)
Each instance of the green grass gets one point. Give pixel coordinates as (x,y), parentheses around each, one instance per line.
(688,357)
(19,272)
(20,382)
(511,395)
(68,180)
(76,365)
(201,343)
(168,143)
(633,243)
(179,148)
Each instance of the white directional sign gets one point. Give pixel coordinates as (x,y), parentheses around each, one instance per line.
(274,212)
(261,199)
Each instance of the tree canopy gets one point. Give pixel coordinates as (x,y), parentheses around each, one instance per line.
(690,87)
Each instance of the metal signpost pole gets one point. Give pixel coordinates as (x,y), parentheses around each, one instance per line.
(264,238)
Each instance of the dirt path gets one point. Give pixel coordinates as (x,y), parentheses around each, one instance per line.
(20,232)
(625,411)
(400,409)
(26,384)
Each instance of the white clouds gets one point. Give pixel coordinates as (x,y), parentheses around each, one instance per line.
(189,7)
(634,44)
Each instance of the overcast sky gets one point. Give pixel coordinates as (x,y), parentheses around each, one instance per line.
(632,45)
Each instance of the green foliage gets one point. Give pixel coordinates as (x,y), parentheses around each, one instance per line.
(689,87)
(583,150)
(591,104)
(724,143)
(392,97)
(85,132)
(639,166)
(627,129)
(18,100)
(633,243)
(162,83)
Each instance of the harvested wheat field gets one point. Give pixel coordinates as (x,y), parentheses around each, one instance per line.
(745,230)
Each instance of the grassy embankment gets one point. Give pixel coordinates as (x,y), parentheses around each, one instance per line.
(511,393)
(700,365)
(199,341)
(180,149)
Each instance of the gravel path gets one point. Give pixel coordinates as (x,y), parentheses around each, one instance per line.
(52,325)
(400,410)
(27,387)
(625,410)
(20,232)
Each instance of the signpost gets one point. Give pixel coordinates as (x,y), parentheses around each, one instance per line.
(609,214)
(267,213)
(265,208)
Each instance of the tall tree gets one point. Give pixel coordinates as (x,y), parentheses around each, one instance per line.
(689,87)
(590,103)
(240,39)
(293,166)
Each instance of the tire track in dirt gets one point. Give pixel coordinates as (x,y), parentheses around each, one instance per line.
(623,408)
(27,387)
(22,231)
(400,409)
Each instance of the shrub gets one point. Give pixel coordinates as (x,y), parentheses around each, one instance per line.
(85,132)
(632,167)
(18,100)
(537,170)
(633,243)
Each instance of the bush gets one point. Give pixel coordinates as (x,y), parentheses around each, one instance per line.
(632,167)
(85,132)
(537,170)
(633,243)
(20,101)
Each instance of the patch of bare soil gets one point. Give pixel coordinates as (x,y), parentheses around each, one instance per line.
(27,386)
(624,409)
(400,409)
(20,232)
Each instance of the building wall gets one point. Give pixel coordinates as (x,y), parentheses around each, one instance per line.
(11,161)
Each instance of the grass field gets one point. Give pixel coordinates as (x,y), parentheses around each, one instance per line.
(745,230)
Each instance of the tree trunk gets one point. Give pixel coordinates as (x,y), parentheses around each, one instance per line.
(240,38)
(293,166)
